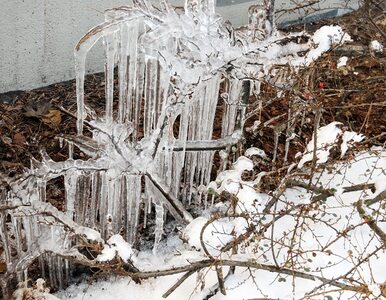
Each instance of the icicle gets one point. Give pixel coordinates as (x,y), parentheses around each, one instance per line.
(30,238)
(59,268)
(70,183)
(84,200)
(66,270)
(51,272)
(151,93)
(70,150)
(41,184)
(132,73)
(138,86)
(81,50)
(133,200)
(122,69)
(103,204)
(42,266)
(26,275)
(16,226)
(4,236)
(95,200)
(276,142)
(80,70)
(109,42)
(159,223)
(288,134)
(150,195)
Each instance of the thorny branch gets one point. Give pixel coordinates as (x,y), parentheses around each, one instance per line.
(371,222)
(198,265)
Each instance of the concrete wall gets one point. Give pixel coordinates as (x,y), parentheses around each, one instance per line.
(37,37)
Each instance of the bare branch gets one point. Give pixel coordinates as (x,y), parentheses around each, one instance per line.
(371,222)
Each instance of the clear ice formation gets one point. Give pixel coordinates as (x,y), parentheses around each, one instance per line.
(185,69)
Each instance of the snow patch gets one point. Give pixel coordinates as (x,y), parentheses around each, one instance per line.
(323,39)
(348,138)
(255,151)
(327,137)
(380,185)
(116,245)
(376,46)
(243,164)
(342,61)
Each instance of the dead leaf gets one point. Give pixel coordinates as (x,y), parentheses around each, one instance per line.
(52,118)
(6,140)
(19,139)
(382,287)
(3,267)
(381,22)
(37,109)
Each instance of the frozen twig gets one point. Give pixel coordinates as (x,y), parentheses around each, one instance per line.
(371,222)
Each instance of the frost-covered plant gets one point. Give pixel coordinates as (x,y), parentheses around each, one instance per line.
(170,67)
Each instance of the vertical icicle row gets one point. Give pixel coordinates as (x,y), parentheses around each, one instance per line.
(199,164)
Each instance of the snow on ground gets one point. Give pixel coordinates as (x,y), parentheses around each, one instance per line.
(307,242)
(326,138)
(376,46)
(342,61)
